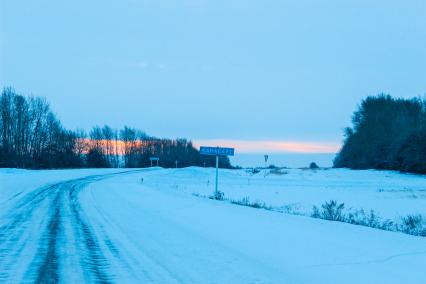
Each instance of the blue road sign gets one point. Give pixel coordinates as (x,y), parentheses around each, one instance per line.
(216,151)
(154,158)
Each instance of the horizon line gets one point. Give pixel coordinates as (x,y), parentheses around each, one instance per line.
(272,146)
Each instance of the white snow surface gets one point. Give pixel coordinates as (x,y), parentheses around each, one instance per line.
(390,194)
(156,231)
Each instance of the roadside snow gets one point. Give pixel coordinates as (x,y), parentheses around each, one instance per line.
(193,240)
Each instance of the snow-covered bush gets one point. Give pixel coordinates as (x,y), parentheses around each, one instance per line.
(359,217)
(313,166)
(332,210)
(246,202)
(278,171)
(218,195)
(329,211)
(414,225)
(253,171)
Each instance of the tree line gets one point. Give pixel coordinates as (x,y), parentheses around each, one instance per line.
(387,133)
(31,136)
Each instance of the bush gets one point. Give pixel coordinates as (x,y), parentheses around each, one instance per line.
(244,202)
(218,195)
(333,211)
(278,171)
(313,166)
(330,211)
(414,225)
(359,217)
(253,171)
(411,224)
(256,204)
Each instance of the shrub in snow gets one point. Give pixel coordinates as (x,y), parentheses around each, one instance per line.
(291,209)
(313,166)
(244,202)
(218,195)
(278,171)
(256,204)
(359,217)
(253,171)
(315,212)
(413,225)
(334,211)
(330,211)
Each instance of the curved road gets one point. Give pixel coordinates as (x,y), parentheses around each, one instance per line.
(117,231)
(47,232)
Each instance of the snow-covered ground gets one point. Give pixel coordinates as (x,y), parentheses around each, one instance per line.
(391,194)
(103,226)
(290,160)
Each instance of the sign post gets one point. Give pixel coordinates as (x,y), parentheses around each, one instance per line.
(217,176)
(154,159)
(216,151)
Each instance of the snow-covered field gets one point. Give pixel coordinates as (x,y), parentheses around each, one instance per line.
(77,226)
(391,194)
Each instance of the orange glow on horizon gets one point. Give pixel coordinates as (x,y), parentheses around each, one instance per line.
(241,146)
(117,146)
(272,146)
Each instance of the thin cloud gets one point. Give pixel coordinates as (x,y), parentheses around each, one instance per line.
(139,64)
(161,66)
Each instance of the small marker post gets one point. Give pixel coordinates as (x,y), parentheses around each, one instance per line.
(154,159)
(266,164)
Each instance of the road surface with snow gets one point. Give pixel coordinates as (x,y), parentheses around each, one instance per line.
(108,226)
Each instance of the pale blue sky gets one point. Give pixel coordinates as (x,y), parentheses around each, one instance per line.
(241,70)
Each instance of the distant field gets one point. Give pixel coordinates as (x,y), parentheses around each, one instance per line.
(290,160)
(390,194)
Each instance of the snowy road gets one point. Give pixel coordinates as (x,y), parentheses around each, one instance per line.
(49,225)
(109,227)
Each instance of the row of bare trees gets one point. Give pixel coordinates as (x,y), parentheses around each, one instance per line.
(132,148)
(32,137)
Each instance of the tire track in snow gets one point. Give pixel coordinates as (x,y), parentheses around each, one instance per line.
(46,264)
(95,258)
(13,237)
(48,271)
